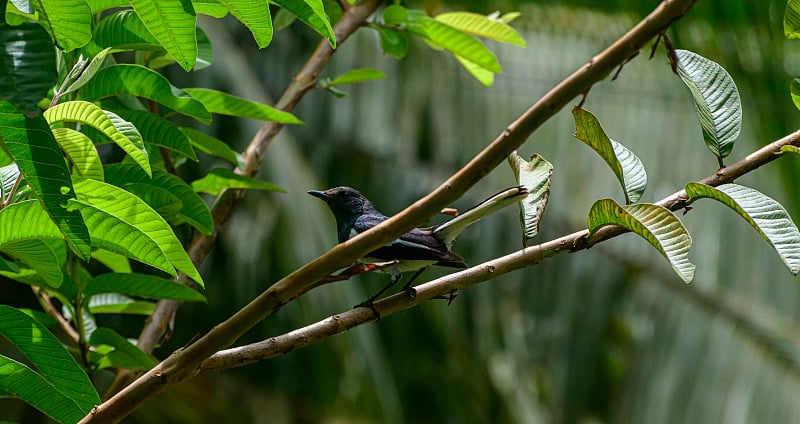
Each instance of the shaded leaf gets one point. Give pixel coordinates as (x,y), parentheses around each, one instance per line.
(218,179)
(159,131)
(124,354)
(763,213)
(791,19)
(482,26)
(81,151)
(141,285)
(625,165)
(27,66)
(228,104)
(790,149)
(654,223)
(535,177)
(39,256)
(8,178)
(123,30)
(312,13)
(394,43)
(113,303)
(173,24)
(716,100)
(213,146)
(114,261)
(19,381)
(211,8)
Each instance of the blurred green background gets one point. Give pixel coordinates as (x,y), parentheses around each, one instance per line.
(604,335)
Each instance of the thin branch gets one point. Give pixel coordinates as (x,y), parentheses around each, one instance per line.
(184,363)
(531,256)
(50,309)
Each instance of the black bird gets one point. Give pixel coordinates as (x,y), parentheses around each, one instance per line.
(416,249)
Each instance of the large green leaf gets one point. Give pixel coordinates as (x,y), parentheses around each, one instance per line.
(114,261)
(393,43)
(764,214)
(27,66)
(791,19)
(210,7)
(19,381)
(53,363)
(139,81)
(193,208)
(312,13)
(120,131)
(228,104)
(98,6)
(213,146)
(141,285)
(255,15)
(625,165)
(115,303)
(173,24)
(159,131)
(716,100)
(81,151)
(482,26)
(535,177)
(124,354)
(123,223)
(218,179)
(654,223)
(38,255)
(33,146)
(453,40)
(68,21)
(123,30)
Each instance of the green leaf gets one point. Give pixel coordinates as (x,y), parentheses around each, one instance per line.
(454,41)
(33,146)
(68,21)
(159,131)
(27,66)
(81,151)
(625,165)
(213,146)
(8,178)
(141,285)
(716,100)
(764,214)
(113,303)
(40,257)
(219,179)
(88,72)
(358,75)
(654,223)
(395,14)
(120,131)
(394,43)
(139,81)
(124,224)
(790,149)
(193,209)
(228,104)
(312,13)
(535,177)
(114,261)
(482,26)
(98,6)
(21,382)
(791,19)
(123,30)
(211,8)
(482,75)
(124,355)
(173,24)
(53,363)
(254,14)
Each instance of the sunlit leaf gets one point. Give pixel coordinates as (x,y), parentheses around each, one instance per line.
(254,14)
(312,13)
(68,21)
(482,26)
(173,24)
(358,75)
(790,149)
(159,131)
(791,19)
(483,76)
(88,72)
(27,66)
(228,104)
(218,179)
(8,179)
(763,213)
(211,8)
(81,151)
(455,41)
(124,354)
(38,255)
(115,303)
(654,223)
(625,165)
(213,146)
(114,261)
(141,285)
(535,177)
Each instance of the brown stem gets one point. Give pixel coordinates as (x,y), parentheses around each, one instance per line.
(50,309)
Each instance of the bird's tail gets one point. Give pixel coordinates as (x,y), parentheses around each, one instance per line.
(452,228)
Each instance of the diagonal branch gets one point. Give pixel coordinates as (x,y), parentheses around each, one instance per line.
(184,363)
(530,256)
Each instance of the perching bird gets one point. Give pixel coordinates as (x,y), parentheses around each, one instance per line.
(416,249)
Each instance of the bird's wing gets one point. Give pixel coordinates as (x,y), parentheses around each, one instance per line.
(417,244)
(449,230)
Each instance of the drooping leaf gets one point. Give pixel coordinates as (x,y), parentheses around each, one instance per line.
(141,285)
(123,30)
(114,261)
(625,165)
(159,131)
(27,66)
(483,76)
(535,177)
(114,303)
(213,146)
(53,363)
(205,55)
(120,131)
(173,24)
(124,354)
(81,151)
(394,43)
(228,104)
(38,255)
(211,8)
(139,81)
(395,15)
(68,21)
(654,223)
(254,14)
(218,179)
(791,19)
(122,220)
(716,101)
(453,40)
(763,213)
(482,26)
(193,210)
(33,146)
(312,13)
(19,381)
(358,75)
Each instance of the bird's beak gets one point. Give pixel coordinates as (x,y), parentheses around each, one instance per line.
(319,193)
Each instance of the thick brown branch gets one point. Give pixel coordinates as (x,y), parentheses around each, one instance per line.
(340,323)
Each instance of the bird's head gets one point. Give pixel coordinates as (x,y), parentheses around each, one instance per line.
(345,202)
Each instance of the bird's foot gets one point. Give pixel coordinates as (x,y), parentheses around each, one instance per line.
(369,304)
(410,291)
(449,297)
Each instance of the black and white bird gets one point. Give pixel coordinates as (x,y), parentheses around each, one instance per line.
(416,249)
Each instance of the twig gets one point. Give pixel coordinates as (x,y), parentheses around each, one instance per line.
(50,309)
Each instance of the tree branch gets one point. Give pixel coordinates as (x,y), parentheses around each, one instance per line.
(530,256)
(184,363)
